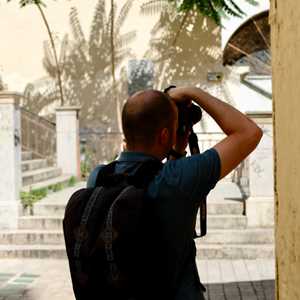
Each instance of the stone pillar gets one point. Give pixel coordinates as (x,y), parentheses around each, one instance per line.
(10,160)
(260,204)
(67,140)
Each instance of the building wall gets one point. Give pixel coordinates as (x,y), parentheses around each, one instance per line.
(198,50)
(285,24)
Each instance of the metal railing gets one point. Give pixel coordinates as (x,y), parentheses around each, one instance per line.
(38,135)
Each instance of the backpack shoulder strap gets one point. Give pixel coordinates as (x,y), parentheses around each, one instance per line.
(146,172)
(104,175)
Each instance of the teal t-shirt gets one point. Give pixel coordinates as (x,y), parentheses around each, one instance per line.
(176,192)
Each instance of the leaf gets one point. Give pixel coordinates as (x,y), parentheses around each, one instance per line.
(76,27)
(125,39)
(63,51)
(98,24)
(123,15)
(154,6)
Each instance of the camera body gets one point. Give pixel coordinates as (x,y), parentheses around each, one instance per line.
(188,115)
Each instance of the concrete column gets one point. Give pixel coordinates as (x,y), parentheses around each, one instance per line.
(260,204)
(10,160)
(67,140)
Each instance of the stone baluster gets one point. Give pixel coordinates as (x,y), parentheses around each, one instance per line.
(260,204)
(67,135)
(10,159)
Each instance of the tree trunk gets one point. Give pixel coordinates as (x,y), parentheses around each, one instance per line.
(113,66)
(55,54)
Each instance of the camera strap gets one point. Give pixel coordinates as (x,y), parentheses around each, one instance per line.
(194,149)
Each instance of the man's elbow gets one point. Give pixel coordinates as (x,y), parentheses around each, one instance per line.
(255,135)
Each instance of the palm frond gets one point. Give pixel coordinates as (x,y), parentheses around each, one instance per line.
(236,7)
(125,39)
(63,50)
(98,24)
(49,61)
(76,28)
(110,16)
(154,6)
(123,15)
(122,55)
(252,2)
(234,11)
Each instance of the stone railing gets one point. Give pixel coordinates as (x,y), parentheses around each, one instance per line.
(11,141)
(38,135)
(260,203)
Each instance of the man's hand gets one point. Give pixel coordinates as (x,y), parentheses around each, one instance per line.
(243,134)
(180,95)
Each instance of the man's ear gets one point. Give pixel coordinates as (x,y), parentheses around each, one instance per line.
(164,136)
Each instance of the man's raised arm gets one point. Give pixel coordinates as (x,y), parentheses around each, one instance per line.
(243,134)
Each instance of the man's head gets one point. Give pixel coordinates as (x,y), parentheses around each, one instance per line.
(149,121)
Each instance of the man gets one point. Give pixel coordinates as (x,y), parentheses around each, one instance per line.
(150,120)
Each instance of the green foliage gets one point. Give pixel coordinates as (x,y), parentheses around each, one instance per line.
(86,164)
(213,9)
(29,198)
(2,87)
(56,187)
(26,2)
(72,181)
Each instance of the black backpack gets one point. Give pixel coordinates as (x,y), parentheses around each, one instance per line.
(109,232)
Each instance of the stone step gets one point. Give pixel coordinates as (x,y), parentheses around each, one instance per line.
(26,155)
(49,209)
(33,251)
(225,222)
(40,222)
(63,179)
(31,177)
(223,207)
(55,222)
(33,164)
(55,237)
(31,237)
(232,251)
(203,251)
(256,236)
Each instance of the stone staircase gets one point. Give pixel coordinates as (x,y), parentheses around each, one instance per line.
(40,236)
(228,235)
(36,173)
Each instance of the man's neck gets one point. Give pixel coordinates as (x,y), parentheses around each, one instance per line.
(147,151)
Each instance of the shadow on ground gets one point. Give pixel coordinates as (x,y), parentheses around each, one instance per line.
(245,290)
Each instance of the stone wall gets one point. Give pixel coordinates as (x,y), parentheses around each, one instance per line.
(285,24)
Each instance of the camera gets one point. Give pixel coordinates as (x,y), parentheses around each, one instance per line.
(188,115)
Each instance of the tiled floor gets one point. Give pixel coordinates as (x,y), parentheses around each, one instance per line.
(50,279)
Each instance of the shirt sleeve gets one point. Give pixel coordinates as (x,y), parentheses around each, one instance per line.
(195,175)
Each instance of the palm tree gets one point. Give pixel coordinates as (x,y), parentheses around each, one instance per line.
(39,5)
(87,66)
(214,9)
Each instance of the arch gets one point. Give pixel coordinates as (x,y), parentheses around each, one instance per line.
(250,37)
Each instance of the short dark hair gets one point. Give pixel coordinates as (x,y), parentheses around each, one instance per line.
(144,115)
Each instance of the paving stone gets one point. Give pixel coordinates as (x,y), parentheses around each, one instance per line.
(258,288)
(54,283)
(231,290)
(227,271)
